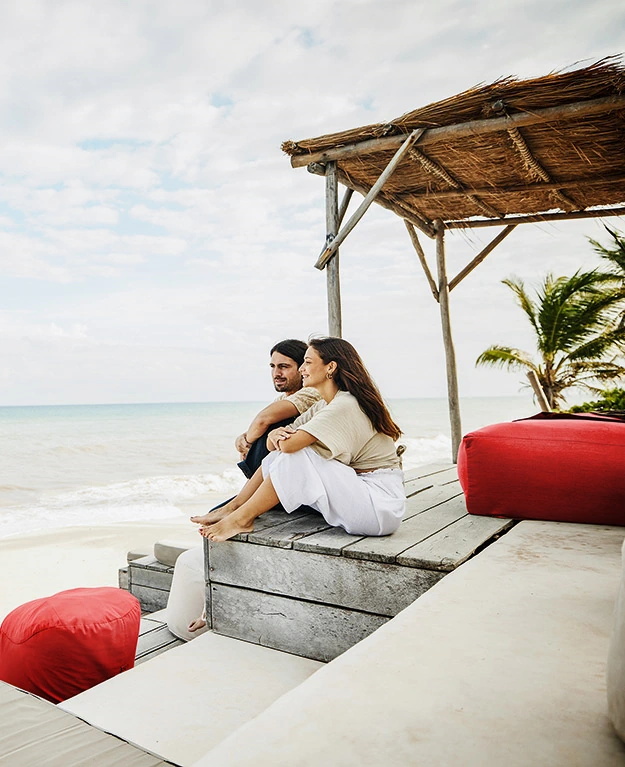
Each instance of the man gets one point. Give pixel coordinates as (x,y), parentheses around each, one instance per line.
(285,361)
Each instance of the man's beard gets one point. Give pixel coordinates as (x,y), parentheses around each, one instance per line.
(288,387)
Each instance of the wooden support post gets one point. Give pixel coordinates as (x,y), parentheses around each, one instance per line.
(480,256)
(347,196)
(450,354)
(332,267)
(332,245)
(539,392)
(421,255)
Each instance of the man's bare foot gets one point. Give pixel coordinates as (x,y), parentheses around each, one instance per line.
(213,516)
(225,528)
(197,624)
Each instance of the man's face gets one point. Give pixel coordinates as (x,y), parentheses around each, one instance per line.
(285,374)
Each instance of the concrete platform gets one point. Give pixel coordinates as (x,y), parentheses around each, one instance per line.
(500,663)
(181,703)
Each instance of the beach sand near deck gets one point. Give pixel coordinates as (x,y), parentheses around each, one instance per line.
(40,564)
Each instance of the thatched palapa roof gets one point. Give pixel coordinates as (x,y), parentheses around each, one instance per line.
(517,150)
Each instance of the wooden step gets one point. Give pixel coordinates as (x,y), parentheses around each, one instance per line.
(298,585)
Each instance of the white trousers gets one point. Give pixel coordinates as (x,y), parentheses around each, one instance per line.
(187,597)
(372,503)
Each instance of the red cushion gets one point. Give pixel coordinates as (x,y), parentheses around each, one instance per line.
(565,469)
(61,645)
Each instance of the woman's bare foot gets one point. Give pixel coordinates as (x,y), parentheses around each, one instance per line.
(197,624)
(226,528)
(213,516)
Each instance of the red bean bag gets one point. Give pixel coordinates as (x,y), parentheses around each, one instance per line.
(61,645)
(565,468)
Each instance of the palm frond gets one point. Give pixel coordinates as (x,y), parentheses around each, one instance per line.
(614,255)
(517,286)
(506,356)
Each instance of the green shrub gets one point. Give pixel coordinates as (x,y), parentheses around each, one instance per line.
(612,399)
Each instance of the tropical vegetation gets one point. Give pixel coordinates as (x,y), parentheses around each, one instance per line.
(610,400)
(577,322)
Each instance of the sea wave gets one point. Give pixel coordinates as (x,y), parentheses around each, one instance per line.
(147,498)
(422,450)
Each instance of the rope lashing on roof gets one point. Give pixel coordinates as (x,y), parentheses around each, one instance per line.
(537,170)
(437,170)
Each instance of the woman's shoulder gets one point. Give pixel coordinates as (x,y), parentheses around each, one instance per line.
(343,399)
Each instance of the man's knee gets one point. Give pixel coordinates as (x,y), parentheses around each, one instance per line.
(259,450)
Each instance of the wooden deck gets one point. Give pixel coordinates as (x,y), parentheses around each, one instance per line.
(299,585)
(154,638)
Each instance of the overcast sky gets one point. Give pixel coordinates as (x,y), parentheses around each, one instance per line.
(154,240)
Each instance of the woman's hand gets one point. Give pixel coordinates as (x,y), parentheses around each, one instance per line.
(276,436)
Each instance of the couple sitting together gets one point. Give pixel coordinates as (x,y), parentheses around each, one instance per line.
(338,456)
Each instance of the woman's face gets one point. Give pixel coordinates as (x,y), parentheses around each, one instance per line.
(314,371)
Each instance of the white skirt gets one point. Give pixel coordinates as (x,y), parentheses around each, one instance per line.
(372,503)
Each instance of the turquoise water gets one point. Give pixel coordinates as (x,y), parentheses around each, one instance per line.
(93,464)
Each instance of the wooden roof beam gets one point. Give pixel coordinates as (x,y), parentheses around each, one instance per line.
(581,184)
(461,130)
(476,223)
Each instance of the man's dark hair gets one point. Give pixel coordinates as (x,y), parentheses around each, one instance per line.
(291,348)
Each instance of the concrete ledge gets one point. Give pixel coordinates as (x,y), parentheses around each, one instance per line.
(182,702)
(500,663)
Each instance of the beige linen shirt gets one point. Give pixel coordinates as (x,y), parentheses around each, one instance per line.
(345,433)
(303,399)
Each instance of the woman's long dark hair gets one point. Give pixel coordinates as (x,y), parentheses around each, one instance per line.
(351,375)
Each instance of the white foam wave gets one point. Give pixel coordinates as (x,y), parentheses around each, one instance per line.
(421,451)
(146,498)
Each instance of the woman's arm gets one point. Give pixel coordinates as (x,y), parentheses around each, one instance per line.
(294,442)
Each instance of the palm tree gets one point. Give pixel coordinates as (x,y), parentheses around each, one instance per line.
(577,337)
(615,255)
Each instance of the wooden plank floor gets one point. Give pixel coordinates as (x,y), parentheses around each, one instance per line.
(298,585)
(436,532)
(154,638)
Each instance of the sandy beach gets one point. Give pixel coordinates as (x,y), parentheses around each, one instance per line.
(40,564)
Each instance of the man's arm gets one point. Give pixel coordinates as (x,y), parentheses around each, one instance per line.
(277,411)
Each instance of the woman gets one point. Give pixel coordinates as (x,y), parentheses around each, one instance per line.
(338,457)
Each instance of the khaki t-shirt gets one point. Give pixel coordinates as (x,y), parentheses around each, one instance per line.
(345,433)
(303,399)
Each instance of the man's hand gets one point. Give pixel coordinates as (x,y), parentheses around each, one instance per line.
(278,435)
(242,445)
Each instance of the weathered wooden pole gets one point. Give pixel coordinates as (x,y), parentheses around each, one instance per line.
(450,354)
(335,325)
(541,397)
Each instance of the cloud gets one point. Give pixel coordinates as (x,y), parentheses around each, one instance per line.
(147,212)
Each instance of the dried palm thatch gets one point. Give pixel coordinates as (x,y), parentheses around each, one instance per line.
(515,150)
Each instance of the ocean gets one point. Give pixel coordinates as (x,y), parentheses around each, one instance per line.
(98,464)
